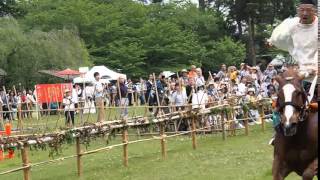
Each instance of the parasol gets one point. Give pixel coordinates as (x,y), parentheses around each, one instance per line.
(68,72)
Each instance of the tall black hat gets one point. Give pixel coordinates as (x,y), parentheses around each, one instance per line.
(314,2)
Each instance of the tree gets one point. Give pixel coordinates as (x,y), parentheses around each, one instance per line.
(23,54)
(129,35)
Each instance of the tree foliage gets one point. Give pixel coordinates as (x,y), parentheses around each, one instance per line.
(136,38)
(23,54)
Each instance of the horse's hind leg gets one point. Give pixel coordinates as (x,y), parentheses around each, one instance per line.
(311,170)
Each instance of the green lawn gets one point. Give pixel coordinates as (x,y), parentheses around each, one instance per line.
(240,158)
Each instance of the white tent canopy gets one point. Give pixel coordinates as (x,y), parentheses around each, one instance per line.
(106,75)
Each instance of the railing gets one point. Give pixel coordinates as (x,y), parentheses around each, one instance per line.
(225,113)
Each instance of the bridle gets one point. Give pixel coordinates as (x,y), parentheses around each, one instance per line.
(302,109)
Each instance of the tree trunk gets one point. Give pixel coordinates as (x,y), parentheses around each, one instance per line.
(239,27)
(202,4)
(252,50)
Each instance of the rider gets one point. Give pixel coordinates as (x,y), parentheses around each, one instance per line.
(298,36)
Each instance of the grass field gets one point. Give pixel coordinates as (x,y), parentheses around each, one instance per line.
(239,158)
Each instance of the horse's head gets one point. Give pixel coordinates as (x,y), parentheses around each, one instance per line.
(291,101)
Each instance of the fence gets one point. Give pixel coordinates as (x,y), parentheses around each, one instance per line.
(226,113)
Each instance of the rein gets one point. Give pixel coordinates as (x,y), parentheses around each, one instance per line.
(302,109)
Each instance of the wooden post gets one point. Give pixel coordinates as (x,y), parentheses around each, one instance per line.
(233,122)
(25,162)
(262,116)
(125,146)
(223,125)
(163,141)
(193,126)
(246,123)
(78,149)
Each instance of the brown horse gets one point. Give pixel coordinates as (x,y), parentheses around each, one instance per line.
(296,141)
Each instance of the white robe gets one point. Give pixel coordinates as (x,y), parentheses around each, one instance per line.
(300,40)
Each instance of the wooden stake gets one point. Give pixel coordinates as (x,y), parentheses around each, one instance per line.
(125,146)
(78,150)
(193,126)
(223,126)
(163,142)
(25,162)
(246,126)
(262,116)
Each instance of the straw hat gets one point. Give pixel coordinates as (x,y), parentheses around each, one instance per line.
(184,70)
(251,90)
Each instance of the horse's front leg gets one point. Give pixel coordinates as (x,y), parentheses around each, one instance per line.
(279,169)
(311,170)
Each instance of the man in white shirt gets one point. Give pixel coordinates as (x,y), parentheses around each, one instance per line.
(298,36)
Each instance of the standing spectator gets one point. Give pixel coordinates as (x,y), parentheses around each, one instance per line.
(30,102)
(179,98)
(123,97)
(150,96)
(69,108)
(270,72)
(24,106)
(212,91)
(13,105)
(129,85)
(192,73)
(190,89)
(199,78)
(5,106)
(75,98)
(244,71)
(98,95)
(233,73)
(200,98)
(242,87)
(184,78)
(222,73)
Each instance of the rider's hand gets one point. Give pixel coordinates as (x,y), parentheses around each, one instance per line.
(268,44)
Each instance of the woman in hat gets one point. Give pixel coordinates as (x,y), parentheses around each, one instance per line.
(69,108)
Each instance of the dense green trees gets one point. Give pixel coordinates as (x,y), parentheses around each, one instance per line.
(131,36)
(23,54)
(136,38)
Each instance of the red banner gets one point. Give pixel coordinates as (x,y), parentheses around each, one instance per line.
(47,93)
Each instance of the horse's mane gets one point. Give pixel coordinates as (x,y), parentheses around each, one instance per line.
(290,73)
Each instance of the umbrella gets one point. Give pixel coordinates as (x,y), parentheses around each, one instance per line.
(68,72)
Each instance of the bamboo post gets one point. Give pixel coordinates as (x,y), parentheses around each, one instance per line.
(157,93)
(223,125)
(163,141)
(262,116)
(246,126)
(79,154)
(233,122)
(125,130)
(193,126)
(125,146)
(25,162)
